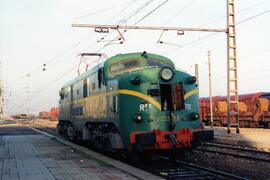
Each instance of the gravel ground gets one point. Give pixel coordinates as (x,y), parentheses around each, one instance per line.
(238,166)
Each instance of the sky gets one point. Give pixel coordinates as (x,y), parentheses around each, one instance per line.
(38,32)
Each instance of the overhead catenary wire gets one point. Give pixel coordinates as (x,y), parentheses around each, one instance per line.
(252,17)
(101,39)
(52,60)
(38,93)
(53,82)
(210,35)
(47,86)
(103,10)
(191,42)
(170,19)
(151,12)
(203,38)
(155,10)
(240,11)
(105,46)
(76,44)
(178,12)
(117,37)
(65,73)
(125,19)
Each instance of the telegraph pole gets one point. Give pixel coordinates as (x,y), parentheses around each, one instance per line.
(232,81)
(210,87)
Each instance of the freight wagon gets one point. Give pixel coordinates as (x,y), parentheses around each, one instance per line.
(253,110)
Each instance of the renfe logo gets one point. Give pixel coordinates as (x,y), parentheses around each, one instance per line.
(145,106)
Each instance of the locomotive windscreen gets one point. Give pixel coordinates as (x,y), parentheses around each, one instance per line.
(160,64)
(124,66)
(172,97)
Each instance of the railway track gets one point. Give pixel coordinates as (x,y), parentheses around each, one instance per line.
(235,151)
(183,170)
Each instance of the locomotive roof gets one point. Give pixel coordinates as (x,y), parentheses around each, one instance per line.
(84,75)
(118,58)
(139,55)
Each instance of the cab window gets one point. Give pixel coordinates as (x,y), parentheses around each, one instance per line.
(85,88)
(101,78)
(124,66)
(160,64)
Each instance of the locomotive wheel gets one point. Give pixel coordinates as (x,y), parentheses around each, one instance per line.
(139,157)
(70,133)
(65,130)
(176,154)
(135,156)
(267,124)
(59,129)
(85,134)
(107,145)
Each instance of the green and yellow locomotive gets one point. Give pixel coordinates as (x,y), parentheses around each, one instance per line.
(135,100)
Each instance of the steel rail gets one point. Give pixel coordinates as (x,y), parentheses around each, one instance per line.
(236,155)
(229,146)
(208,169)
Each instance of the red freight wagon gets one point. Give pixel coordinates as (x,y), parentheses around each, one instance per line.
(253,110)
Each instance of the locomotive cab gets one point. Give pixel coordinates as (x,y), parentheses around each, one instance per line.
(158,104)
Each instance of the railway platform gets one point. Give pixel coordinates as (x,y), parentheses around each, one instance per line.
(249,137)
(26,153)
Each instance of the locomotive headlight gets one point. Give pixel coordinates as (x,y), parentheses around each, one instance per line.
(166,73)
(194,116)
(138,117)
(190,80)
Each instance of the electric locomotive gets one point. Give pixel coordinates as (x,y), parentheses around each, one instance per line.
(133,101)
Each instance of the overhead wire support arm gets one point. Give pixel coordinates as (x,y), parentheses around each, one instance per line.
(160,28)
(90,54)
